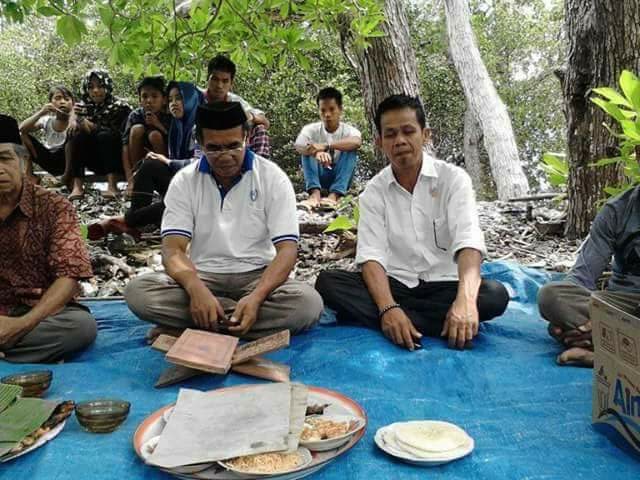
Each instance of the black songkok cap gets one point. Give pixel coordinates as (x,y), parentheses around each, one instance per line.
(9,131)
(220,115)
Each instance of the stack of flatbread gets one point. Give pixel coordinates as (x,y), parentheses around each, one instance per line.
(428,440)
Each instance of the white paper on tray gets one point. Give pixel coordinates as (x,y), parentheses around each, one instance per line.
(299,394)
(206,428)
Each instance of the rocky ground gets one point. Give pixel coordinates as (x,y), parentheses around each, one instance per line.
(520,232)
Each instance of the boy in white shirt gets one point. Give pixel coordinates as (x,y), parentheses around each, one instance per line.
(329,152)
(53,119)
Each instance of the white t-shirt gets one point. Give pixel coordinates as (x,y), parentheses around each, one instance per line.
(52,138)
(316,133)
(233,231)
(417,236)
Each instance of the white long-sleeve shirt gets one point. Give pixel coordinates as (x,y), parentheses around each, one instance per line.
(417,236)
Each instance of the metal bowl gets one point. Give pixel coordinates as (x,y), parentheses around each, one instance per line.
(102,416)
(33,384)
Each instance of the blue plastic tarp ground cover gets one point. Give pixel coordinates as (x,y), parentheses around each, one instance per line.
(530,418)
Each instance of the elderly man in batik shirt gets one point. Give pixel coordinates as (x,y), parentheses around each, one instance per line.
(42,257)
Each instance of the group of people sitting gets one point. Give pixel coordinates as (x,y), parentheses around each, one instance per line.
(230,231)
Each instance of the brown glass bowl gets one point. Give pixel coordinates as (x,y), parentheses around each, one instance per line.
(102,416)
(33,384)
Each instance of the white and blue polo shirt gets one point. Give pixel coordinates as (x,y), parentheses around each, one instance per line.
(232,231)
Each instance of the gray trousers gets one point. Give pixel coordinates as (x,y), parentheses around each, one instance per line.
(157,298)
(566,304)
(56,337)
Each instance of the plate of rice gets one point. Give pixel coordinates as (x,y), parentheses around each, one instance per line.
(266,464)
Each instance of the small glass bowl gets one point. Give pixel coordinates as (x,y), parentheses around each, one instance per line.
(33,384)
(102,416)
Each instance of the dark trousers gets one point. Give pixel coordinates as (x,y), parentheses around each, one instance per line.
(152,176)
(52,161)
(99,151)
(426,304)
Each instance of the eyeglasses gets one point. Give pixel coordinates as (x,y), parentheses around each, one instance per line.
(219,150)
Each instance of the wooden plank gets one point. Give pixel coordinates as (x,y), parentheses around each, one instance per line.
(176,374)
(261,346)
(261,367)
(208,351)
(164,342)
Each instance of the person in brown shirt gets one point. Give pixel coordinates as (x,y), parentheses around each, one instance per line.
(42,257)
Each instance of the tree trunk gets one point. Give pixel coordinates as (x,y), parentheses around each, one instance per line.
(604,39)
(471,149)
(388,65)
(499,139)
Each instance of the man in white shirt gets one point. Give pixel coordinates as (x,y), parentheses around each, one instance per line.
(419,244)
(236,213)
(329,151)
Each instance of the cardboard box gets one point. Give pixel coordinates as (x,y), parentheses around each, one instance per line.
(616,368)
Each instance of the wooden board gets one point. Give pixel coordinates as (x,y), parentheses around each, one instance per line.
(261,346)
(176,374)
(164,342)
(258,367)
(243,352)
(207,351)
(261,367)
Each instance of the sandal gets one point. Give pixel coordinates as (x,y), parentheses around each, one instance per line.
(109,195)
(328,205)
(307,205)
(75,196)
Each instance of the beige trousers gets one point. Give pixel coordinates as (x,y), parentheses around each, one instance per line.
(157,298)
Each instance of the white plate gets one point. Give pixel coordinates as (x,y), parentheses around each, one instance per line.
(432,461)
(302,452)
(51,434)
(331,443)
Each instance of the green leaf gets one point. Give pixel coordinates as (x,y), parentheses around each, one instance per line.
(610,108)
(341,222)
(48,11)
(630,85)
(106,15)
(630,129)
(613,96)
(70,28)
(84,230)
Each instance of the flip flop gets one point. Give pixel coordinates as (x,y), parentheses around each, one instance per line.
(306,205)
(75,196)
(107,195)
(328,205)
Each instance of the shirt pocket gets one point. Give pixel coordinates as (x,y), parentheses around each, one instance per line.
(255,225)
(441,236)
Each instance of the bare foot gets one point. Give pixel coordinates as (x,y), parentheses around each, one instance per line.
(576,356)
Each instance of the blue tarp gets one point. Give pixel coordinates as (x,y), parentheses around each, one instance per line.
(530,418)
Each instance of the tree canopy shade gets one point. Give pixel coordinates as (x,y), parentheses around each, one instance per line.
(175,38)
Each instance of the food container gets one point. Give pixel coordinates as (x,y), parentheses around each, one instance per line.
(102,416)
(33,384)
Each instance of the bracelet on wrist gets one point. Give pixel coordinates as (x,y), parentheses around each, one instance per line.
(386,308)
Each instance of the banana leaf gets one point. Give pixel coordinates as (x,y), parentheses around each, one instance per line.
(8,393)
(22,418)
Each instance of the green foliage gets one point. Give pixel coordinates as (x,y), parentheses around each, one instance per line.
(349,215)
(34,58)
(150,36)
(556,167)
(624,108)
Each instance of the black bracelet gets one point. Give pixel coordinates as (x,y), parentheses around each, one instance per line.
(386,308)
